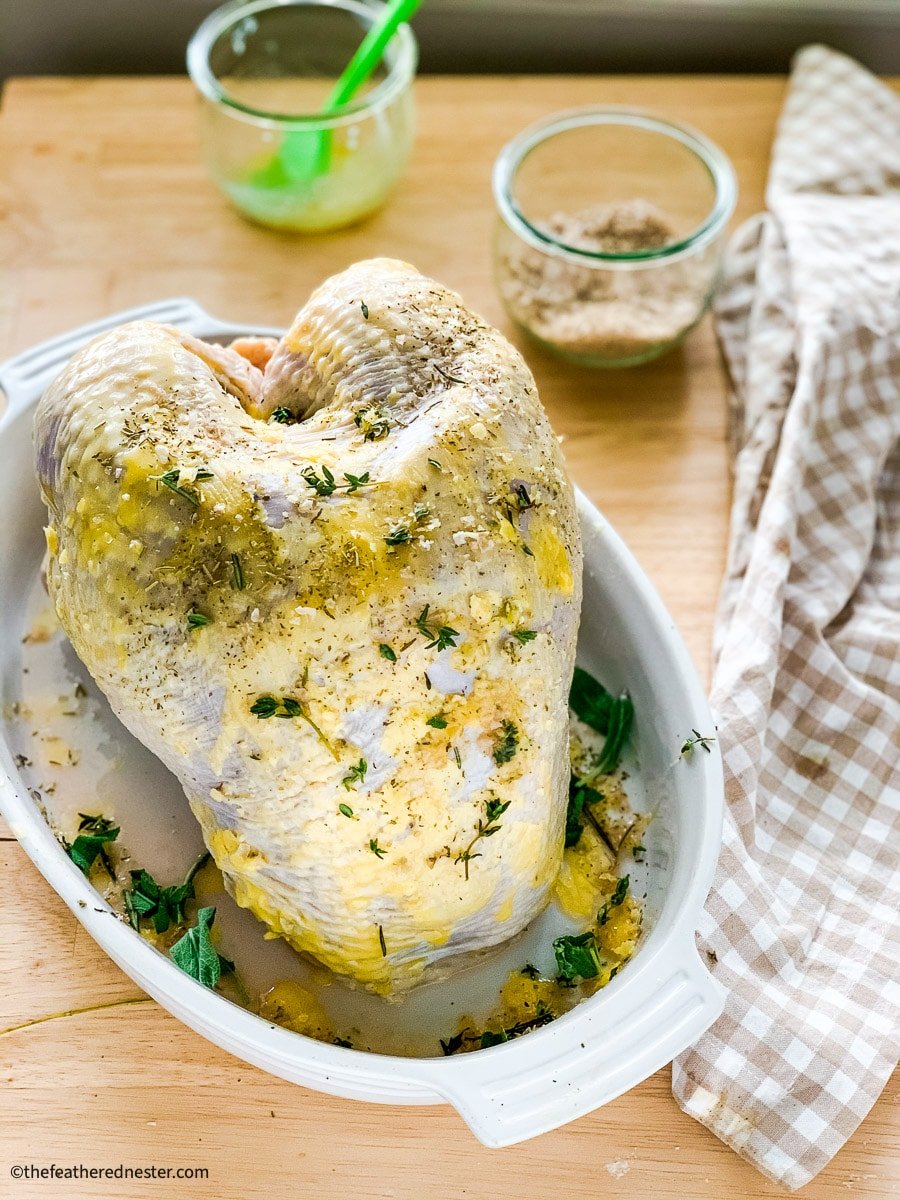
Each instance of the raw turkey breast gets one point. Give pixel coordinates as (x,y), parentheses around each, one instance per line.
(334,584)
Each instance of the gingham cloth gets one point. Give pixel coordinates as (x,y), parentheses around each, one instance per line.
(802,926)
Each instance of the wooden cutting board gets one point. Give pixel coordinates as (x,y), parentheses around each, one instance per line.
(105,205)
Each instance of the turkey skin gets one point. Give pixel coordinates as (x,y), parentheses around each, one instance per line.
(333,582)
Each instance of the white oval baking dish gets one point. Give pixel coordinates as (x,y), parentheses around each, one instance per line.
(653,1010)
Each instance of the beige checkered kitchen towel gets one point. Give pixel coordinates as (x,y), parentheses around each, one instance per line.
(803,922)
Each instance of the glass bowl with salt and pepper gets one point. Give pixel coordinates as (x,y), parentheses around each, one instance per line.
(610,232)
(306,106)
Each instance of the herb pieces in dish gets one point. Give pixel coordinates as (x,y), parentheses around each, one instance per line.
(94,834)
(197,956)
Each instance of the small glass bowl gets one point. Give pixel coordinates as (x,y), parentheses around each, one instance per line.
(609,239)
(264,69)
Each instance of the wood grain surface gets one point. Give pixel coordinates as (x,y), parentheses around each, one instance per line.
(105,204)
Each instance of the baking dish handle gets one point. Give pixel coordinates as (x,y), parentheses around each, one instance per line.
(24,377)
(516,1091)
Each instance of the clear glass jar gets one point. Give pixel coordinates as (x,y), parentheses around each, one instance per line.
(264,69)
(610,232)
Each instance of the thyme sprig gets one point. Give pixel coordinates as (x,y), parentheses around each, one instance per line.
(326,485)
(704,742)
(493,811)
(506,743)
(441,638)
(286,707)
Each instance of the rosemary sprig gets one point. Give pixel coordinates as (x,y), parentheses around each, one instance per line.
(237,573)
(169,479)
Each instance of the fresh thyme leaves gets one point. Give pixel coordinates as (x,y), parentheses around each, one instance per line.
(169,479)
(446,375)
(458,757)
(615,900)
(439,639)
(404,533)
(373,422)
(697,740)
(364,309)
(399,536)
(196,620)
(433,462)
(282,416)
(288,707)
(610,715)
(323,486)
(376,849)
(355,775)
(507,743)
(439,721)
(451,1045)
(522,498)
(381,942)
(327,485)
(345,810)
(197,956)
(530,971)
(581,795)
(164,906)
(355,482)
(93,835)
(237,573)
(387,652)
(524,635)
(577,957)
(493,811)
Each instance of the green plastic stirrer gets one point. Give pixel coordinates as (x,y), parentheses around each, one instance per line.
(306,154)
